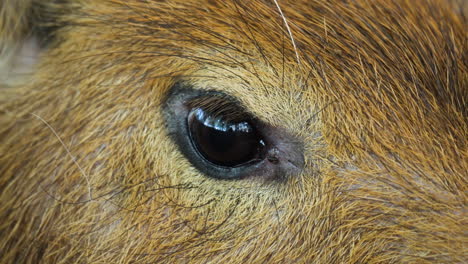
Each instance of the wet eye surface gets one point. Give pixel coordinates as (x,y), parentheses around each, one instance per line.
(222,142)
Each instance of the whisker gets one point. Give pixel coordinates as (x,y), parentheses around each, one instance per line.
(73,158)
(289,30)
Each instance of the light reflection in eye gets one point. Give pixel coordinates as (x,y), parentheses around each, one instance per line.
(221,125)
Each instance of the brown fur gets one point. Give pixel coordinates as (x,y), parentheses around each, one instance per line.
(375,90)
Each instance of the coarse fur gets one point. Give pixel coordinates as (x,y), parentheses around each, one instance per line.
(376,91)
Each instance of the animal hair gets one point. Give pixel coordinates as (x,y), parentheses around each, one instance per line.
(373,92)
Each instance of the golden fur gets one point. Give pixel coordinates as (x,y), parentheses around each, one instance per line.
(375,90)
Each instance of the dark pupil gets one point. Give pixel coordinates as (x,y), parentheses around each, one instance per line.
(223,143)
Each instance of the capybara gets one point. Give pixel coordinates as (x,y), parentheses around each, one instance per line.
(209,131)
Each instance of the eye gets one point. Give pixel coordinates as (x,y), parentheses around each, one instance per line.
(223,142)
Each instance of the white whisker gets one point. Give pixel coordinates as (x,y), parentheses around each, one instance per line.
(69,153)
(289,30)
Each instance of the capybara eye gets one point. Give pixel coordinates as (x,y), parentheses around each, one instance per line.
(224,143)
(215,132)
(219,136)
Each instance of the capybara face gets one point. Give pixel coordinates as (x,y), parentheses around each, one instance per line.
(235,132)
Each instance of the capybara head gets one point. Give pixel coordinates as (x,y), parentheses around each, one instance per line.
(266,131)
